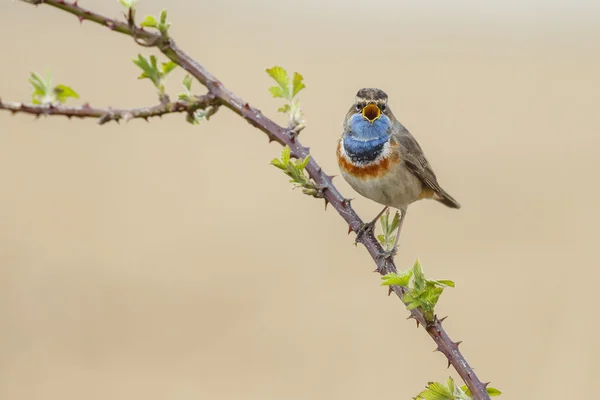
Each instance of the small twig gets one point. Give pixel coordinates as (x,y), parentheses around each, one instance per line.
(105,115)
(287,137)
(113,24)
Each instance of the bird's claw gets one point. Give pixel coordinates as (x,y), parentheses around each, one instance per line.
(364,229)
(386,255)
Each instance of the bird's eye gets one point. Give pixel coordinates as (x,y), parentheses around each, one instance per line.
(358,107)
(383,107)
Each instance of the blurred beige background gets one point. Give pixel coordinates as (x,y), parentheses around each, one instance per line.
(166,261)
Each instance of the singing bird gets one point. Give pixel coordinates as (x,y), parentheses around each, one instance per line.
(382,161)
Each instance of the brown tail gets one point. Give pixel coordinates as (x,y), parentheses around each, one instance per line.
(447,200)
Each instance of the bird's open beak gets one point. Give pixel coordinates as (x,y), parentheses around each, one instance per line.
(371,112)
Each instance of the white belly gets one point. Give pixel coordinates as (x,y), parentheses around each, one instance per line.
(397,189)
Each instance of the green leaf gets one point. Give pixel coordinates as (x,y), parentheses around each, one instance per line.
(278,163)
(144,65)
(418,274)
(187,82)
(439,391)
(286,107)
(280,76)
(150,22)
(42,88)
(302,164)
(187,86)
(389,229)
(149,68)
(164,25)
(424,293)
(128,3)
(45,93)
(141,62)
(397,279)
(432,295)
(63,92)
(297,84)
(168,67)
(38,84)
(444,282)
(154,62)
(490,391)
(414,299)
(276,91)
(295,170)
(450,384)
(436,391)
(199,115)
(412,305)
(285,155)
(288,91)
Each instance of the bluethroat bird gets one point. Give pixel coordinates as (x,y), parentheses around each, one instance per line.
(382,161)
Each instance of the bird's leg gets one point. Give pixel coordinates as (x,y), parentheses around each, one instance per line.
(386,255)
(369,225)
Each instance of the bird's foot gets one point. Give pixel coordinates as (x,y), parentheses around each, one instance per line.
(364,229)
(384,257)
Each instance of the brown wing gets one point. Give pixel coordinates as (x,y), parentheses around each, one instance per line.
(416,162)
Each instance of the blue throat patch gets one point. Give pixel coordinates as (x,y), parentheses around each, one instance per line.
(364,141)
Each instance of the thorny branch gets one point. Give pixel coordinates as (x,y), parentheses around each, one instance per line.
(105,115)
(283,136)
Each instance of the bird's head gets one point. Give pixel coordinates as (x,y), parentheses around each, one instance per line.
(370,114)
